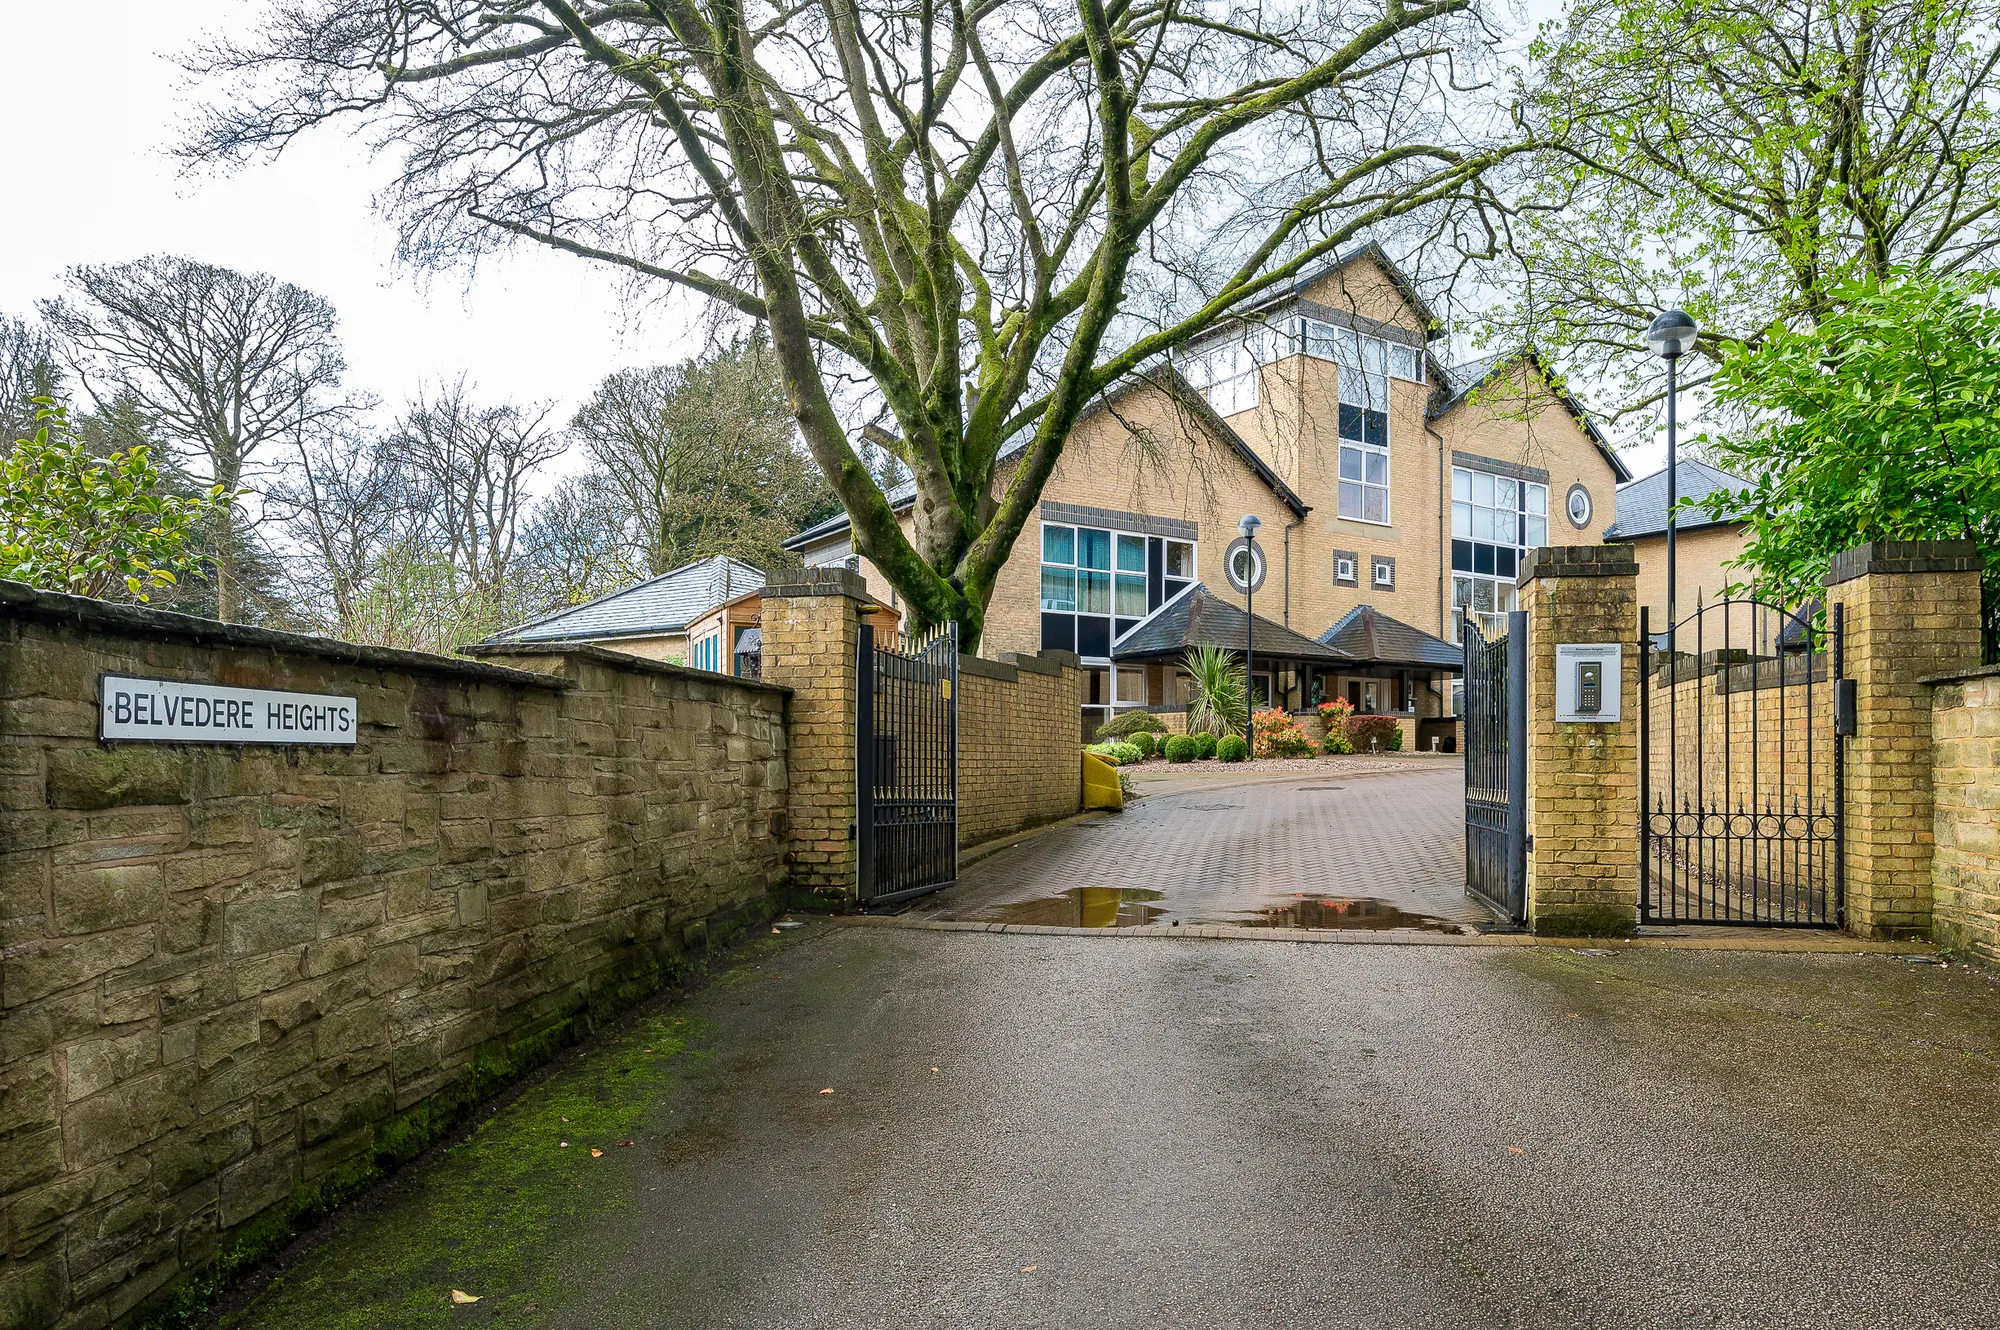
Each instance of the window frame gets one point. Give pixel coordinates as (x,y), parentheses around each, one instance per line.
(1171,586)
(1499,588)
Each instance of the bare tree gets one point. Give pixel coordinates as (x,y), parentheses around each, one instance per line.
(222,362)
(574,547)
(963,221)
(703,457)
(471,465)
(343,503)
(28,369)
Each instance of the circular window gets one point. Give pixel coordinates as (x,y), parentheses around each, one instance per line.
(1244,565)
(1579,507)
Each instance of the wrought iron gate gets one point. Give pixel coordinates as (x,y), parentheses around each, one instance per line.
(1742,723)
(1496,765)
(906,766)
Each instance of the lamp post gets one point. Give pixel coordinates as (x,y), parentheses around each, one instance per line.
(1670,337)
(1248,526)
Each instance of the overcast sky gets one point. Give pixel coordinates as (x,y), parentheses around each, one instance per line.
(89,149)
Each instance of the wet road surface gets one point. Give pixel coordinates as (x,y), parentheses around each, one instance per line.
(1066,1131)
(1345,843)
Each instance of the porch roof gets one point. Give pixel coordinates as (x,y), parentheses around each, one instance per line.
(1199,618)
(1365,634)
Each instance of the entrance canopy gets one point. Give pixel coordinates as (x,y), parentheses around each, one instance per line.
(1367,636)
(1200,618)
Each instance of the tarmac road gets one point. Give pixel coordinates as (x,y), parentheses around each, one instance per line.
(1074,1131)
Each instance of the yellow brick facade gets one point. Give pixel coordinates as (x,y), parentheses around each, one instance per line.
(1701,557)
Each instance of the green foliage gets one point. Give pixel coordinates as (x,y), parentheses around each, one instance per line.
(1220,706)
(1128,723)
(1204,745)
(1231,748)
(1145,741)
(1336,743)
(1180,748)
(1117,754)
(90,526)
(1372,733)
(1880,422)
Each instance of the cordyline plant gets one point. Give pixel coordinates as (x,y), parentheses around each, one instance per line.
(1220,703)
(93,526)
(960,220)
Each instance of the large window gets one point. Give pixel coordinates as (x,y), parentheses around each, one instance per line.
(1225,367)
(1494,520)
(1364,426)
(1098,584)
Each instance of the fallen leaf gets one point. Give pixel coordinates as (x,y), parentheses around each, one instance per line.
(1516,1150)
(933,1068)
(774,930)
(625,1142)
(1572,1015)
(563,1144)
(827,1090)
(596,1153)
(1027,1269)
(461,1297)
(565,1119)
(649,1050)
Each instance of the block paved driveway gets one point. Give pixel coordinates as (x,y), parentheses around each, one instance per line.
(1362,843)
(1102,1132)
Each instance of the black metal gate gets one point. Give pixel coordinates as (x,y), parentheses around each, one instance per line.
(1496,765)
(906,766)
(1742,722)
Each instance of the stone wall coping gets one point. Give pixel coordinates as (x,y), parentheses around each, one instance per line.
(819,580)
(1006,672)
(1578,561)
(1051,663)
(617,660)
(21,601)
(1904,556)
(1962,676)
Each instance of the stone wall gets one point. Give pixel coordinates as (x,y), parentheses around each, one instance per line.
(1017,752)
(237,982)
(1965,784)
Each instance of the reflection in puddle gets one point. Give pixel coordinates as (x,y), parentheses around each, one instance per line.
(1342,912)
(1085,907)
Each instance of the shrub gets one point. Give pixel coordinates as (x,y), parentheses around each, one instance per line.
(1335,712)
(1231,748)
(1180,748)
(1219,706)
(1145,741)
(1128,754)
(1278,734)
(1336,743)
(1128,723)
(1109,752)
(1204,745)
(1368,733)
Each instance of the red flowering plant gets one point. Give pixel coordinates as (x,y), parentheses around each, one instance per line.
(1276,733)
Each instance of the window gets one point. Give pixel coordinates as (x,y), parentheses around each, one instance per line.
(1246,567)
(1385,573)
(1343,568)
(1225,368)
(1493,520)
(1099,583)
(1578,502)
(1345,346)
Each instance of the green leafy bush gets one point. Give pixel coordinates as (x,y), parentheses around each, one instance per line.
(1231,748)
(1204,745)
(1180,748)
(1126,724)
(1374,733)
(1336,743)
(1117,754)
(1145,741)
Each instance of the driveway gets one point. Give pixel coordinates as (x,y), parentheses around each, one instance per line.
(1067,1131)
(1335,843)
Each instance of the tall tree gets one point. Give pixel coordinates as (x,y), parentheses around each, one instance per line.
(702,458)
(964,221)
(1748,160)
(28,370)
(470,466)
(223,362)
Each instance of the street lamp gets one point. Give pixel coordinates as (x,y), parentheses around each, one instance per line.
(1671,336)
(1248,526)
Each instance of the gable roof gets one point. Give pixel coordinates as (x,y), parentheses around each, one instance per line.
(1366,635)
(663,604)
(1459,382)
(1642,505)
(1199,617)
(1373,252)
(1164,377)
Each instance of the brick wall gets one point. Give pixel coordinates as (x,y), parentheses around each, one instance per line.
(1965,782)
(811,631)
(1017,744)
(236,982)
(1583,779)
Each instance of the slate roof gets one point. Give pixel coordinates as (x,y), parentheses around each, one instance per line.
(1642,505)
(1164,377)
(663,604)
(1458,382)
(1199,617)
(1368,636)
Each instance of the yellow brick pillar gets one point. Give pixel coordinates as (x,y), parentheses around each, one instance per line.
(811,629)
(1910,609)
(1583,776)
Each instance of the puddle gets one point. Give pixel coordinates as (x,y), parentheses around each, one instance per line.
(1343,912)
(1084,907)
